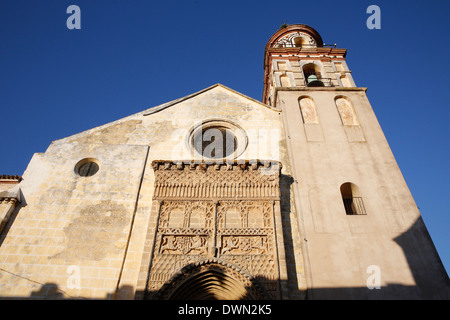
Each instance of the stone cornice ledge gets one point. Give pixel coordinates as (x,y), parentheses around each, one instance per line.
(320,89)
(217,164)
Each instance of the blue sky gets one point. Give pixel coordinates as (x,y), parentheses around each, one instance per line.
(132,55)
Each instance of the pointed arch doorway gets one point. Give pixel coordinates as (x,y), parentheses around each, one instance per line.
(212,280)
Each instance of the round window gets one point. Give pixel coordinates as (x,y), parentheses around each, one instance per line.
(218,140)
(215,142)
(87,167)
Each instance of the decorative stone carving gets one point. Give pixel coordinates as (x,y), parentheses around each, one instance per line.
(289,40)
(255,180)
(172,244)
(190,282)
(244,245)
(224,211)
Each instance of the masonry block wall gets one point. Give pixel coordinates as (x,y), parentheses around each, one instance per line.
(89,236)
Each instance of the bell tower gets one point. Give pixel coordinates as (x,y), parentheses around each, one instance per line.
(296,57)
(363,235)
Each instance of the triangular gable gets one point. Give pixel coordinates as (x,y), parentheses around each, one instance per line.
(155,109)
(174,102)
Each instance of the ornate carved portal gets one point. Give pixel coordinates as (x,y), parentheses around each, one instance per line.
(217,221)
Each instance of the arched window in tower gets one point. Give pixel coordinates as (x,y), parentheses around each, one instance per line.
(346,111)
(352,199)
(284,81)
(312,75)
(308,110)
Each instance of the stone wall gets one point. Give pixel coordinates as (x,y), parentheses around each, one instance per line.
(86,237)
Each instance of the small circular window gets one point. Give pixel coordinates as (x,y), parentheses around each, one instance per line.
(216,139)
(87,167)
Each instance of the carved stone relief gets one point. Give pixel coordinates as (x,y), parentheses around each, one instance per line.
(232,222)
(244,245)
(171,244)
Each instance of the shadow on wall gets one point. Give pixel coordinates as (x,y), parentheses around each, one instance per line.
(211,284)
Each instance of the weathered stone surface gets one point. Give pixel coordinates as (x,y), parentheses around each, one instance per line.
(160,220)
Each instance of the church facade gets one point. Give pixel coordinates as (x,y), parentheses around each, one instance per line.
(219,196)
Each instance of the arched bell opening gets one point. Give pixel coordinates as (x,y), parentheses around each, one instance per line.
(312,75)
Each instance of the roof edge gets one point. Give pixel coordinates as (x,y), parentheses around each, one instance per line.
(166,105)
(156,109)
